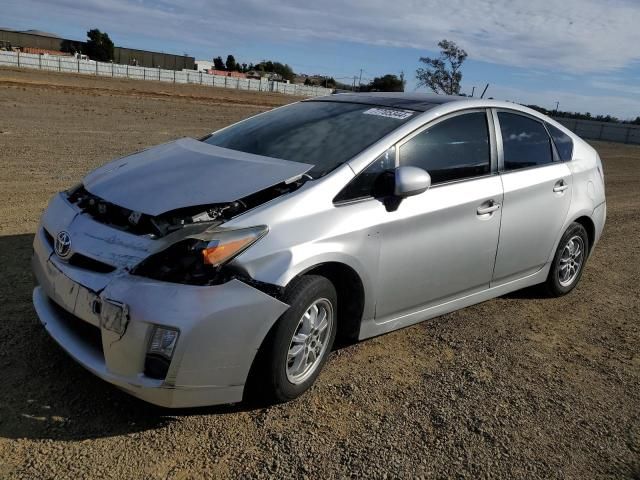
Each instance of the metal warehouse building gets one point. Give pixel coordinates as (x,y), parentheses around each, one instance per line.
(33,39)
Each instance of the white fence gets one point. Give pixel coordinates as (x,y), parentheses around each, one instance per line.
(89,67)
(612,132)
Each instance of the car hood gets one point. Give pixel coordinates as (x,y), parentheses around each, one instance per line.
(185,173)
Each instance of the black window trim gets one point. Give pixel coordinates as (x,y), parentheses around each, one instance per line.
(556,155)
(500,145)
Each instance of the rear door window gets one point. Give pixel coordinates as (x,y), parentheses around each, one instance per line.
(525,142)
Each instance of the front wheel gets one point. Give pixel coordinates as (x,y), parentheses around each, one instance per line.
(568,261)
(302,339)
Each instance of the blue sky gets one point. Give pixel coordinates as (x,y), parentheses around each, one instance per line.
(583,53)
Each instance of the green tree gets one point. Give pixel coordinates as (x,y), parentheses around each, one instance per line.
(218,64)
(582,116)
(328,82)
(607,118)
(442,74)
(99,46)
(230,63)
(386,83)
(282,69)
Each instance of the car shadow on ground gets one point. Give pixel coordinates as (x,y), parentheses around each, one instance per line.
(535,292)
(45,394)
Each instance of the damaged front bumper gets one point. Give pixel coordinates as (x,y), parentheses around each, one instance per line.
(221,326)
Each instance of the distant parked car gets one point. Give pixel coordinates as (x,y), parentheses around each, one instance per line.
(186,272)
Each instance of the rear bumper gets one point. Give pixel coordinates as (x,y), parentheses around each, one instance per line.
(599,218)
(221,327)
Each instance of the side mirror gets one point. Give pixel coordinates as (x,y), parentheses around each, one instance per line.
(410,181)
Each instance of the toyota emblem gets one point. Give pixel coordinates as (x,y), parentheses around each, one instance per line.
(62,244)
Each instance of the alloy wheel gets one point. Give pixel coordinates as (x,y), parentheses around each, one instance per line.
(571,261)
(310,340)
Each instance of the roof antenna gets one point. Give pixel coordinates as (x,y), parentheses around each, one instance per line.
(484,91)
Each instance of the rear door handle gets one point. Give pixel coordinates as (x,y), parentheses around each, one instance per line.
(560,186)
(488,208)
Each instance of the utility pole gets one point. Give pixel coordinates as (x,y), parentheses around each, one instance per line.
(353,88)
(557,106)
(473,90)
(360,80)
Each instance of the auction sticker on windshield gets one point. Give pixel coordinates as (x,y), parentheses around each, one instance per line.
(390,113)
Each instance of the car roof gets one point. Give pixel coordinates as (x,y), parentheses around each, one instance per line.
(420,102)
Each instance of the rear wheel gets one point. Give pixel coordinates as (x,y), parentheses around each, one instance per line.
(302,339)
(568,261)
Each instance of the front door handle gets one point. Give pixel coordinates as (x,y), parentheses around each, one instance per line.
(560,186)
(488,207)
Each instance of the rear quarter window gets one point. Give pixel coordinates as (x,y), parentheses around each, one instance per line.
(562,141)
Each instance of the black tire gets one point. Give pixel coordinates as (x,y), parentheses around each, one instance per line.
(553,284)
(270,380)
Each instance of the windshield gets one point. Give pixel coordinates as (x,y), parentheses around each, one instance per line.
(324,134)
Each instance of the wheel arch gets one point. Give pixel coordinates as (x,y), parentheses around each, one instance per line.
(589,226)
(351,296)
(353,277)
(351,303)
(583,217)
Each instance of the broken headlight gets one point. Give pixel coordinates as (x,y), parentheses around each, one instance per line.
(198,259)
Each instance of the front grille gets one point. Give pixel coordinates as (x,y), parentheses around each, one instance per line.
(88,333)
(48,237)
(82,261)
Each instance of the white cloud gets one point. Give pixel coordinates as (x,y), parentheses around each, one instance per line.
(552,40)
(572,35)
(616,85)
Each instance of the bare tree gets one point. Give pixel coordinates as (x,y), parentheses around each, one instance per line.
(442,74)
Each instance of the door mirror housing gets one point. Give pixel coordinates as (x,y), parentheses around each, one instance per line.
(410,181)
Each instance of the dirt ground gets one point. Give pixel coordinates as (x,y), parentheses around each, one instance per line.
(518,387)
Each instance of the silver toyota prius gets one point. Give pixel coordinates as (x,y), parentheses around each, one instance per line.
(196,271)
